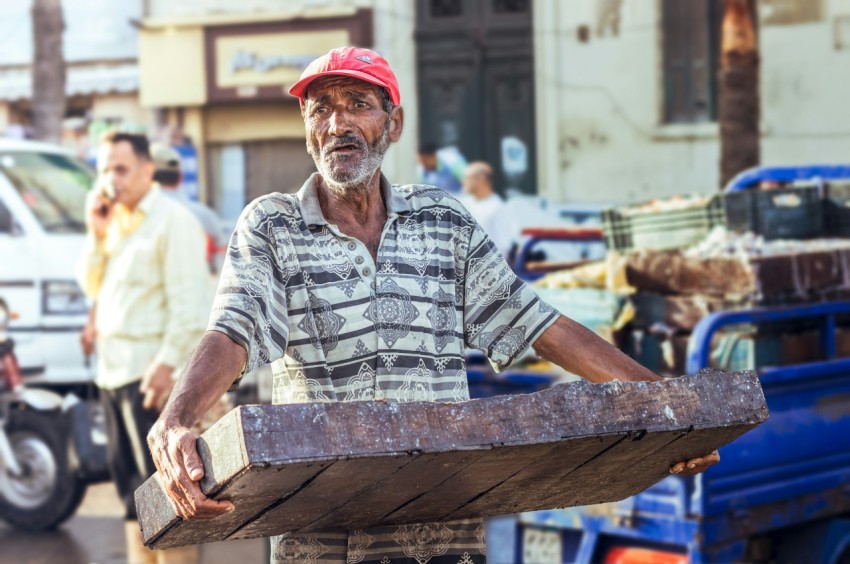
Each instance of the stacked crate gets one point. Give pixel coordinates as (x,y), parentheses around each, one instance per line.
(795,212)
(674,292)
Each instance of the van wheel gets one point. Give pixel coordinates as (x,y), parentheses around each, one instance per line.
(46,492)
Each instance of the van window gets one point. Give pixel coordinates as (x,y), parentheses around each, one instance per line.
(53,186)
(6,222)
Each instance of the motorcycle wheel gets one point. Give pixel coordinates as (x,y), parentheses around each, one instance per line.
(47,492)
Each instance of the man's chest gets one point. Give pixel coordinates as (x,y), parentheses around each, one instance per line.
(135,258)
(368,235)
(338,294)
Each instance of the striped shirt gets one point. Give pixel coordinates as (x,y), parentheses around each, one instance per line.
(337,325)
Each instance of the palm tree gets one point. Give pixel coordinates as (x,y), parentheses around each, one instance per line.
(738,100)
(48,70)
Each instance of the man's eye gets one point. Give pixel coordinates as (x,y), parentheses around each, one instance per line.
(360,105)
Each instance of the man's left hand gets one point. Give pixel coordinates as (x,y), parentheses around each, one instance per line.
(695,465)
(156,386)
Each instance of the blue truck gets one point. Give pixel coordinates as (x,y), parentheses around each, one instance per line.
(780,494)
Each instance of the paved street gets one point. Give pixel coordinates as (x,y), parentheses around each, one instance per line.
(96,536)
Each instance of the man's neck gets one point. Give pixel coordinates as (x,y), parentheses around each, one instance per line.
(359,206)
(131,206)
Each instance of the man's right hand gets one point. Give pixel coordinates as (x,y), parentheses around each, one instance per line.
(99,213)
(88,338)
(176,457)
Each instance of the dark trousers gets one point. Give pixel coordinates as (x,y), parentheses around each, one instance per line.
(128,456)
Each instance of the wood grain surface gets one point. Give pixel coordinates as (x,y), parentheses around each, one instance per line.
(341,466)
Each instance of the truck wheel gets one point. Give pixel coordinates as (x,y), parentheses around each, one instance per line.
(47,492)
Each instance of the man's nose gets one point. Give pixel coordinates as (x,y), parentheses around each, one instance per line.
(340,123)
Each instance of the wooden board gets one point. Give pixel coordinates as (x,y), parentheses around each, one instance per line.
(342,466)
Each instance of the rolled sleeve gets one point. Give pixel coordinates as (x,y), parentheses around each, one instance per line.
(502,316)
(250,305)
(90,266)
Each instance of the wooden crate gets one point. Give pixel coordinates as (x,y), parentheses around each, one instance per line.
(770,280)
(343,466)
(629,230)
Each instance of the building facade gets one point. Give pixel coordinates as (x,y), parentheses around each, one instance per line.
(626,93)
(102,82)
(219,72)
(586,101)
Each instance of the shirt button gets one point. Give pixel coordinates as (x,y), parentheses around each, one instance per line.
(358,260)
(366,272)
(352,246)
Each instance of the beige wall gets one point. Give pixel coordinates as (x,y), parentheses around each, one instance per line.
(255,122)
(600,132)
(805,84)
(174,9)
(599,104)
(171,66)
(124,107)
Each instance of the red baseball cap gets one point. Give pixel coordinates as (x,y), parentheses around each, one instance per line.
(363,64)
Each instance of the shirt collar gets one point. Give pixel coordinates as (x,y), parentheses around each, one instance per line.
(147,202)
(311,210)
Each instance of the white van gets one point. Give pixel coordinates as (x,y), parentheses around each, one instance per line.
(42,227)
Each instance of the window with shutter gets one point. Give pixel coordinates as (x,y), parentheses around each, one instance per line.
(691,45)
(446,8)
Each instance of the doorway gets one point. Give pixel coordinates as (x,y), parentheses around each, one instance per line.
(475,69)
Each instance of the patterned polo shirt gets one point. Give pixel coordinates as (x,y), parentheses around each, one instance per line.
(337,325)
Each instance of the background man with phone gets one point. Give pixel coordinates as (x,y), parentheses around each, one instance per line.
(144,266)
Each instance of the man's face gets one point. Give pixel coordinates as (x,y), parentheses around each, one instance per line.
(428,161)
(130,176)
(472,183)
(348,130)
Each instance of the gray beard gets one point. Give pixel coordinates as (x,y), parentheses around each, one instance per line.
(356,179)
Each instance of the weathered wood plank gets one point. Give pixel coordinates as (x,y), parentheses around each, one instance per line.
(340,466)
(490,470)
(421,475)
(332,488)
(543,483)
(260,490)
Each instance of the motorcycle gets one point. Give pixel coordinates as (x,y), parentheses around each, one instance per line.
(39,486)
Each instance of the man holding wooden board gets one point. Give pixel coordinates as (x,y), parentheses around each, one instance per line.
(355,289)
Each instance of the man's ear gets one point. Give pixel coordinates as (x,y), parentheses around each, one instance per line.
(148,168)
(396,123)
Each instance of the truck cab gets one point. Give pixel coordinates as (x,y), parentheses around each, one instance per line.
(42,228)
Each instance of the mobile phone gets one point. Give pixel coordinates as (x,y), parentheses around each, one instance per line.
(108,190)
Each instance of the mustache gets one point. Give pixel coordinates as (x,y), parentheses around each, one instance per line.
(345,140)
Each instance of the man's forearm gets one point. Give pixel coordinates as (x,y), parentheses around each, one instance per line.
(90,266)
(578,350)
(216,362)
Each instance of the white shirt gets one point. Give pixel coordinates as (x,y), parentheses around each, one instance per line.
(145,277)
(490,213)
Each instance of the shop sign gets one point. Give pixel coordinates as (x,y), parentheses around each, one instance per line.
(261,61)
